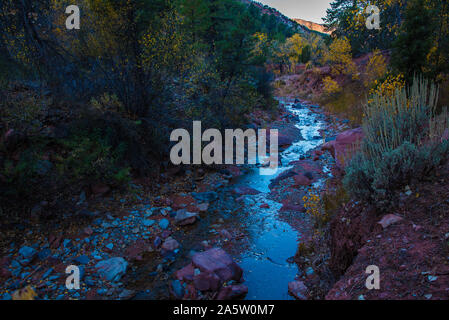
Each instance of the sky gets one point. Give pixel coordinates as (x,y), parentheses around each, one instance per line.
(311,10)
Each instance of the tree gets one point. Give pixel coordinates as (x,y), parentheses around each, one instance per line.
(339,57)
(414,41)
(196,18)
(347,18)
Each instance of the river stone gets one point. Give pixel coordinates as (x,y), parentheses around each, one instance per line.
(245,190)
(205,196)
(112,269)
(207,281)
(164,223)
(184,217)
(202,207)
(217,261)
(170,244)
(27,252)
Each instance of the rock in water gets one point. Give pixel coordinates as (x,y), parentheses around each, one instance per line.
(112,269)
(245,190)
(217,261)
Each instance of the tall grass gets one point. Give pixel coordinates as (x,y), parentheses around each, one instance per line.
(403,142)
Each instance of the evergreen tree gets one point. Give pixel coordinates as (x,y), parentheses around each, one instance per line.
(415,40)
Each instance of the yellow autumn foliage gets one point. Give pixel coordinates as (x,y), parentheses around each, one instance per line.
(339,57)
(26,293)
(388,87)
(376,68)
(330,86)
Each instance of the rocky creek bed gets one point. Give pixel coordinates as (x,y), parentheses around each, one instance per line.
(232,234)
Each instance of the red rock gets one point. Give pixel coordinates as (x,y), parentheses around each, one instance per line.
(292,207)
(170,244)
(284,141)
(217,261)
(180,202)
(302,180)
(184,217)
(186,273)
(344,145)
(136,250)
(232,292)
(389,219)
(245,190)
(306,167)
(207,281)
(298,289)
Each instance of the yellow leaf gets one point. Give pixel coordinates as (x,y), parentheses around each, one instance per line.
(26,293)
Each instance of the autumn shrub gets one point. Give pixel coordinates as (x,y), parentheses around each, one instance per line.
(376,68)
(403,143)
(314,208)
(339,57)
(330,86)
(388,86)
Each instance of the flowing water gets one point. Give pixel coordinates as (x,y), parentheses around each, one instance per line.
(268,239)
(273,241)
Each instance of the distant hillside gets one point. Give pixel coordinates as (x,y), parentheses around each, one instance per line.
(284,19)
(312,26)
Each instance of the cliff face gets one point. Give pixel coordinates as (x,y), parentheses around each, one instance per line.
(312,26)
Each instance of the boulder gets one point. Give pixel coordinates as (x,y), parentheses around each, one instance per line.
(186,273)
(217,261)
(245,190)
(344,145)
(112,269)
(183,217)
(207,281)
(301,180)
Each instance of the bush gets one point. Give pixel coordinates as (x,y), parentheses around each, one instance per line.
(330,86)
(340,58)
(89,156)
(375,68)
(402,143)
